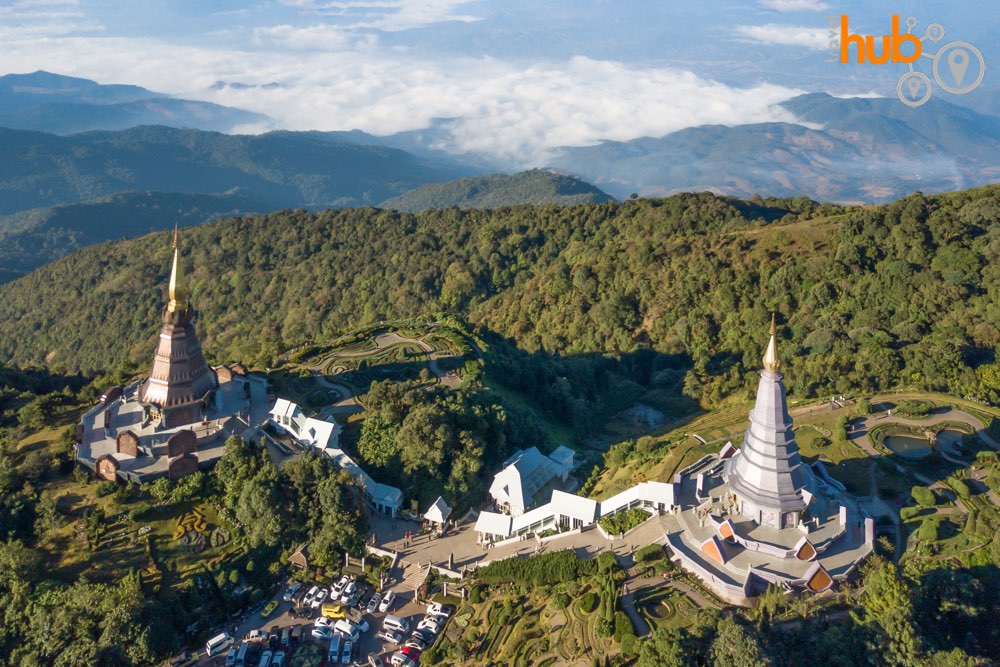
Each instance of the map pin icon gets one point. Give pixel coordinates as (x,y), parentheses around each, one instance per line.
(914,87)
(958,63)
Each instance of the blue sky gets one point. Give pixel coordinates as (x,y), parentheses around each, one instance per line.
(523,76)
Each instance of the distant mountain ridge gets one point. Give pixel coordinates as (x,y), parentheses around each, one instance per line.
(281,169)
(58,104)
(845,150)
(536,186)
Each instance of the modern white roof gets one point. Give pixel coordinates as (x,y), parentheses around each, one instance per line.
(525,474)
(283,408)
(654,492)
(492,523)
(563,456)
(438,512)
(387,495)
(575,507)
(319,432)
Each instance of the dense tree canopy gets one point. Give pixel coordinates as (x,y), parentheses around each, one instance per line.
(906,294)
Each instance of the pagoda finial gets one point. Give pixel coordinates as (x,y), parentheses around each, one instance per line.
(177,290)
(771,362)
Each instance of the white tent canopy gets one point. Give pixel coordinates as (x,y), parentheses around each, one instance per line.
(438,512)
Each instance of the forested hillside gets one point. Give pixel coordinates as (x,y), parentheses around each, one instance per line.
(906,294)
(31,238)
(527,187)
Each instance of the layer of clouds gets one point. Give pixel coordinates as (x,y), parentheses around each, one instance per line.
(795,5)
(787,35)
(515,113)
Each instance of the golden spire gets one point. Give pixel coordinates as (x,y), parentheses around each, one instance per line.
(771,362)
(177,290)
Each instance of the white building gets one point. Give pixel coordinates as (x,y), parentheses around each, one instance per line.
(526,475)
(317,434)
(324,436)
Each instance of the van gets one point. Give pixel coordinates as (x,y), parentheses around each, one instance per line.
(333,610)
(347,629)
(241,655)
(333,655)
(217,644)
(396,623)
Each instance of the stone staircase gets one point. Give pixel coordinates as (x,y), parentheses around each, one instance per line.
(412,576)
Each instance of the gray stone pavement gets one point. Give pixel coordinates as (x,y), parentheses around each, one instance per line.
(460,542)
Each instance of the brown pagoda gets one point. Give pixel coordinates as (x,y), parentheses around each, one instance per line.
(180,382)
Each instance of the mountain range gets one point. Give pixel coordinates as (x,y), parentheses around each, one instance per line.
(58,104)
(844,149)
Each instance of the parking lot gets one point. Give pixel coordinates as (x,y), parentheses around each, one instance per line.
(266,629)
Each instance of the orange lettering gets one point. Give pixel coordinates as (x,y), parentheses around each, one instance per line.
(898,40)
(846,39)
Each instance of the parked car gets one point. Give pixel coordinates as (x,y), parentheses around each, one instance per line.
(310,596)
(424,634)
(255,636)
(286,636)
(268,608)
(278,660)
(374,660)
(391,636)
(411,653)
(354,600)
(430,623)
(386,603)
(362,624)
(438,609)
(265,659)
(296,633)
(417,642)
(322,633)
(324,622)
(333,654)
(338,588)
(184,659)
(345,653)
(400,660)
(373,604)
(299,596)
(291,591)
(332,610)
(319,599)
(231,657)
(274,637)
(348,591)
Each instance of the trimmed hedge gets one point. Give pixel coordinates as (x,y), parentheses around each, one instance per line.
(650,552)
(554,568)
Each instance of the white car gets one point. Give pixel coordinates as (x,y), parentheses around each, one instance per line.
(310,596)
(438,609)
(430,623)
(321,633)
(338,588)
(387,601)
(391,636)
(373,603)
(324,622)
(348,591)
(291,591)
(319,599)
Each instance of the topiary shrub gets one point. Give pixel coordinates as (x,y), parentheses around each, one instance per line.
(649,552)
(588,603)
(923,496)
